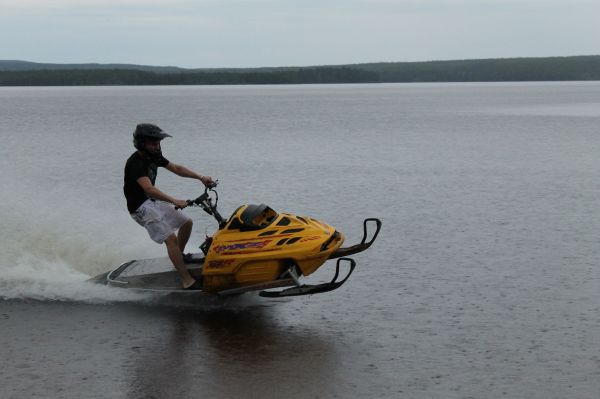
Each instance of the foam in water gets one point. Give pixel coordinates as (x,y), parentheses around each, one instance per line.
(37,264)
(33,277)
(49,248)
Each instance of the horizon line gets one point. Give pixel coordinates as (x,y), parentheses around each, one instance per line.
(299,66)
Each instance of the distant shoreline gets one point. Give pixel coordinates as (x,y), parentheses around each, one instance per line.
(574,68)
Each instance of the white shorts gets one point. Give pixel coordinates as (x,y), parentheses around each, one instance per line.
(161,219)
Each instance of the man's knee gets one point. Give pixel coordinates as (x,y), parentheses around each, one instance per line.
(171,240)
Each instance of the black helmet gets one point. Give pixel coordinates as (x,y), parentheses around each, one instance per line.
(145,131)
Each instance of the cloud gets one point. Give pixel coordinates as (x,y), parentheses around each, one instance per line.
(209,33)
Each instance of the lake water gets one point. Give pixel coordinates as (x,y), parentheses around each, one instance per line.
(484,282)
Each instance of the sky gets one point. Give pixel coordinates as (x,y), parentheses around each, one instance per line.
(255,33)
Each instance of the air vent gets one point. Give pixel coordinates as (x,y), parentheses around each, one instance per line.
(290,231)
(293,240)
(284,221)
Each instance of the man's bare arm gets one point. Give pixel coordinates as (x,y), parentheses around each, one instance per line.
(185,172)
(155,193)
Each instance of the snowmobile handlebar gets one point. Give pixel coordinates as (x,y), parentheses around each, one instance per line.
(205,201)
(203,197)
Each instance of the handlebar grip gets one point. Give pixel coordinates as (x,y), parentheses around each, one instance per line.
(212,185)
(189,202)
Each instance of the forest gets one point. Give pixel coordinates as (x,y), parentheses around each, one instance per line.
(21,73)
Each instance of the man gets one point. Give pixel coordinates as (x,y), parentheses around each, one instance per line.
(151,207)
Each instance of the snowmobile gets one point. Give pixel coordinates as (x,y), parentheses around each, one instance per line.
(256,249)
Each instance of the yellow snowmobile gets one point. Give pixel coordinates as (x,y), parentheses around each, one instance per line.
(255,249)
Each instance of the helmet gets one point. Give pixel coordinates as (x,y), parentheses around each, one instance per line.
(147,131)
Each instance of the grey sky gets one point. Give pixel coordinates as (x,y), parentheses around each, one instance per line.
(246,33)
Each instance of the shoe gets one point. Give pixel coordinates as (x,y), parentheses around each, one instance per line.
(197,286)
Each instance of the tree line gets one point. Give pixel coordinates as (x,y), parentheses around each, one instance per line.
(487,70)
(490,70)
(98,77)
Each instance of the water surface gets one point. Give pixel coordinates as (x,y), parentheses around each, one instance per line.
(483,283)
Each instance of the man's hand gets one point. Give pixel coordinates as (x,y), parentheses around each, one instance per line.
(180,204)
(207,180)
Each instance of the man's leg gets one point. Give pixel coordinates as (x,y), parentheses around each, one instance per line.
(177,258)
(183,235)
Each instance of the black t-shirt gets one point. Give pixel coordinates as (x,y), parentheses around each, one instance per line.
(138,166)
